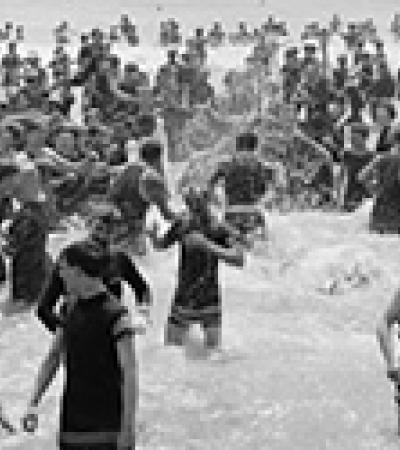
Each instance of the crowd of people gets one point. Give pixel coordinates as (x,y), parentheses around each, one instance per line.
(108,167)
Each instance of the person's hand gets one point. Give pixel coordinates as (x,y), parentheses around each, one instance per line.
(30,420)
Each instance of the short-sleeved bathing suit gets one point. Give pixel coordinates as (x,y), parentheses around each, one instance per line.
(197,297)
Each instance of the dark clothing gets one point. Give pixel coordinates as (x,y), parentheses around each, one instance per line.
(133,192)
(126,194)
(385,217)
(384,87)
(11,63)
(246,179)
(91,405)
(108,446)
(356,190)
(340,76)
(197,298)
(384,144)
(112,269)
(356,104)
(392,314)
(30,262)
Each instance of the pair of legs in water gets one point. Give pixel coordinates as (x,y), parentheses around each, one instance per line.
(182,317)
(176,334)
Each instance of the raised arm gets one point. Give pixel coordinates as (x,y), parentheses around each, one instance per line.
(233,255)
(52,360)
(48,300)
(174,234)
(136,281)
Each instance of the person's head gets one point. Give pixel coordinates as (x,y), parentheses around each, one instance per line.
(383,114)
(196,202)
(84,39)
(125,19)
(80,264)
(146,125)
(309,51)
(205,211)
(186,59)
(246,142)
(19,31)
(342,61)
(291,53)
(172,57)
(151,153)
(7,206)
(35,137)
(217,26)
(115,61)
(199,32)
(12,48)
(104,65)
(379,46)
(242,26)
(104,221)
(33,59)
(131,71)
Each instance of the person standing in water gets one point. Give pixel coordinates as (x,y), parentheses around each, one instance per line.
(95,337)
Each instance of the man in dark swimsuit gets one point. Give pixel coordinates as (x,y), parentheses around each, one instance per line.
(246,178)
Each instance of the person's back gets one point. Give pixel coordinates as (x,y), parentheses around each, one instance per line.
(140,185)
(198,268)
(246,178)
(126,194)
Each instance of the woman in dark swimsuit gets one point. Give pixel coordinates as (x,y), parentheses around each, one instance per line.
(97,338)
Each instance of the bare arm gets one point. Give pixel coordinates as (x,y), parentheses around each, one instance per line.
(48,369)
(384,331)
(233,255)
(48,300)
(45,376)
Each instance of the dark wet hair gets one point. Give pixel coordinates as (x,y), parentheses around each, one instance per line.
(390,109)
(80,256)
(151,152)
(146,124)
(197,202)
(246,142)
